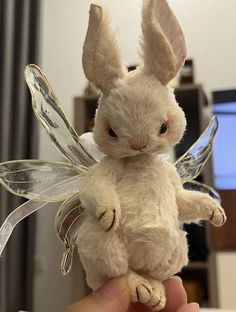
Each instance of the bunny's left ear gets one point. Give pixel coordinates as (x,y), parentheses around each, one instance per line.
(101,57)
(163,44)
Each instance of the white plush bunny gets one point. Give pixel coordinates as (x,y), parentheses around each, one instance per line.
(134,200)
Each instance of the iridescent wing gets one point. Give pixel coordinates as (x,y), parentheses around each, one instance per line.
(190,164)
(66,188)
(33,179)
(67,221)
(49,112)
(200,187)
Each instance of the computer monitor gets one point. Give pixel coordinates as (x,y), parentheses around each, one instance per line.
(224,148)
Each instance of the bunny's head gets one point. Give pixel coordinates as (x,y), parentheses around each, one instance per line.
(137,111)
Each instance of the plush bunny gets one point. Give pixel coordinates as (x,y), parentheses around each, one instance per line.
(134,201)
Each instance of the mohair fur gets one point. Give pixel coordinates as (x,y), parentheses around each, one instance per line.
(134,200)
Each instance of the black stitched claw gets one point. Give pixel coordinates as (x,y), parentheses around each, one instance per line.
(100,217)
(113,221)
(154,306)
(212,216)
(148,290)
(137,294)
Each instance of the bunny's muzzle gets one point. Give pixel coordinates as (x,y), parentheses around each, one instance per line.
(138,142)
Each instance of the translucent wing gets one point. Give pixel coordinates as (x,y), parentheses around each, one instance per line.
(32,178)
(90,145)
(49,112)
(15,217)
(31,206)
(41,182)
(190,164)
(67,222)
(200,187)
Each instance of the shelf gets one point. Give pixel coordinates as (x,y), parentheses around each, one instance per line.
(197,265)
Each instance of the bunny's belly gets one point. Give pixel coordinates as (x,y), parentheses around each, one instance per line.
(149,221)
(147,197)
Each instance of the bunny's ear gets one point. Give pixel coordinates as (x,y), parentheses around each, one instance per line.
(163,44)
(101,57)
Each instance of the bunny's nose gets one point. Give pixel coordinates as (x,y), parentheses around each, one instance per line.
(138,142)
(138,146)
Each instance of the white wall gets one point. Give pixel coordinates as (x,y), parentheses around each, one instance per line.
(210,30)
(226,269)
(209,27)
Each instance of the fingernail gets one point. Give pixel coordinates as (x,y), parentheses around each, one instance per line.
(113,288)
(195,304)
(177,278)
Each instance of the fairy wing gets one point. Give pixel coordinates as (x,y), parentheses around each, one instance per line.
(42,182)
(39,181)
(15,217)
(190,164)
(33,179)
(49,112)
(69,216)
(91,146)
(67,222)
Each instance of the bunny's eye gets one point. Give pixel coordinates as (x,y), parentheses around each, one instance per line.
(111,133)
(163,128)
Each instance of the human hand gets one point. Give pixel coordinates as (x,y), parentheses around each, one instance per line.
(114,297)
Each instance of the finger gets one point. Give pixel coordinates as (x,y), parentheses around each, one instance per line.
(191,307)
(138,307)
(175,293)
(113,296)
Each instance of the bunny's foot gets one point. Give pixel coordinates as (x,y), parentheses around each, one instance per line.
(147,291)
(217,216)
(158,299)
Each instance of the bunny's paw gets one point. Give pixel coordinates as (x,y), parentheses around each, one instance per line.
(218,216)
(108,219)
(158,298)
(142,290)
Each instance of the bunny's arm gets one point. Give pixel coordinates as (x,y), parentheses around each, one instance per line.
(194,206)
(98,194)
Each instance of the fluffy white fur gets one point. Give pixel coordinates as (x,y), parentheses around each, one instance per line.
(134,200)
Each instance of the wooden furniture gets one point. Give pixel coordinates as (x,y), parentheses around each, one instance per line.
(85,108)
(224,238)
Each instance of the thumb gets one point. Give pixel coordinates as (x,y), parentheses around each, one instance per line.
(114,296)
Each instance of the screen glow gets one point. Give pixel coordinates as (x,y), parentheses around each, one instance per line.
(224,149)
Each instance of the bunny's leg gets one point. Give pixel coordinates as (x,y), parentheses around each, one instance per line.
(102,254)
(164,268)
(195,206)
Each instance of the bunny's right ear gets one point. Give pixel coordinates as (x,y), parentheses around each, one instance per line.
(163,44)
(101,57)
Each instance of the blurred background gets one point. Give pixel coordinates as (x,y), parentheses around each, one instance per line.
(51,34)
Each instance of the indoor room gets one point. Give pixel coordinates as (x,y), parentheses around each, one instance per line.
(46,249)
